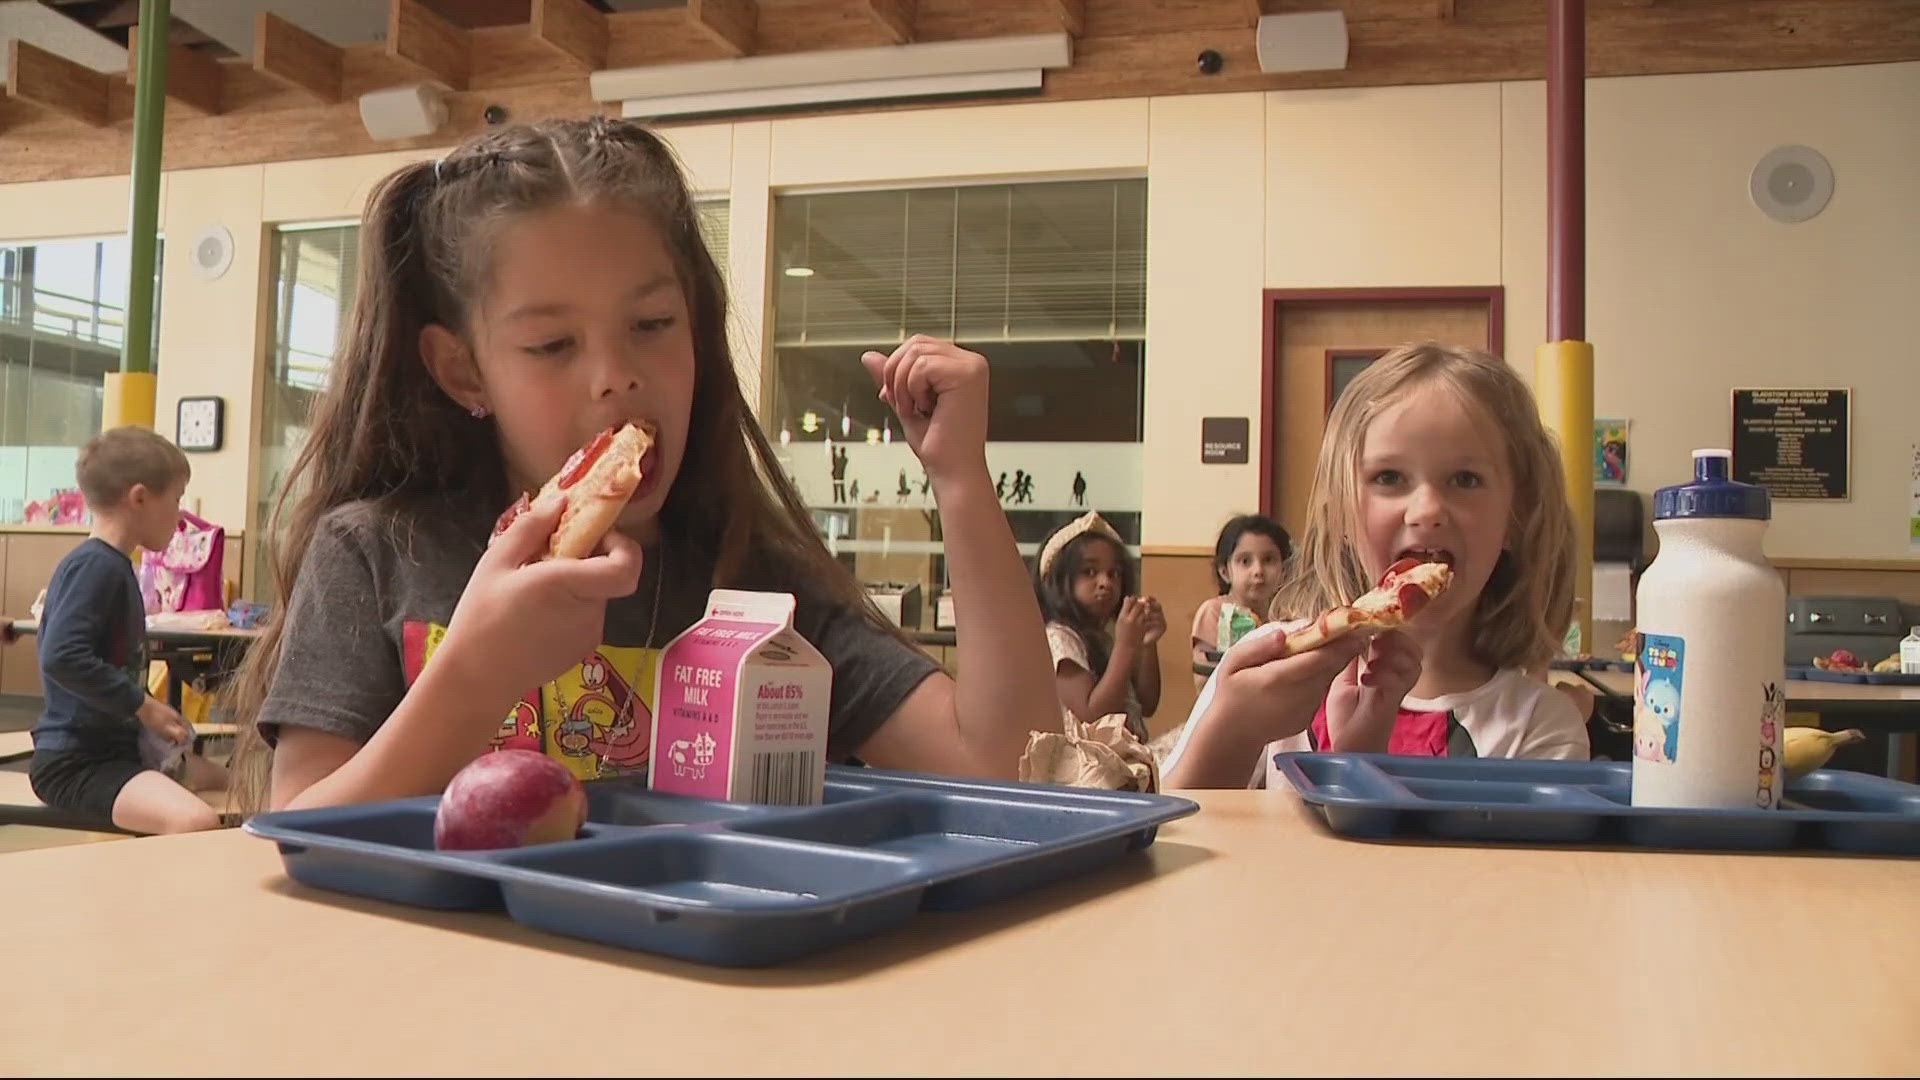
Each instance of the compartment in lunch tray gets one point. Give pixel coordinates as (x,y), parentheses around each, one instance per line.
(1492,810)
(631,804)
(406,824)
(384,851)
(714,898)
(956,833)
(715,869)
(1336,776)
(1507,771)
(1828,789)
(1507,794)
(927,825)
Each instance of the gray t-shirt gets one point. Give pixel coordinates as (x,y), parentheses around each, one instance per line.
(373,599)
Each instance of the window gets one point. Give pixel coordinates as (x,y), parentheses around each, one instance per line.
(313,278)
(62,324)
(1047,280)
(715,218)
(312,283)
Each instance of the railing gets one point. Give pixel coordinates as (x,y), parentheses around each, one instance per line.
(76,318)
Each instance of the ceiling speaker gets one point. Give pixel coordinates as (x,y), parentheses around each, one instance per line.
(1791,183)
(212,252)
(1302,41)
(403,112)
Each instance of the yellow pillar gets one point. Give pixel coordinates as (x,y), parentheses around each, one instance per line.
(128,399)
(1563,383)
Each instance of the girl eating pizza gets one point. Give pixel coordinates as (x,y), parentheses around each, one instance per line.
(1437,481)
(539,285)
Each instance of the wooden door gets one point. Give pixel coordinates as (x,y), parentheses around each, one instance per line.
(1316,340)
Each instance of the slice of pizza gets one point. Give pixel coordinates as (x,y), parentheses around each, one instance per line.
(1407,587)
(597,481)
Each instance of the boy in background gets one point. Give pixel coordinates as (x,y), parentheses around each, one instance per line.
(93,651)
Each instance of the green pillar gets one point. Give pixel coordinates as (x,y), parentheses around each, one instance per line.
(130,397)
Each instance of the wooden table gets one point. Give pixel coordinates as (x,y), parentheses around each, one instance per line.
(188,654)
(1248,940)
(1894,710)
(1857,699)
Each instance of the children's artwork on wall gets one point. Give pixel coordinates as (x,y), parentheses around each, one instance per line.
(1913,503)
(1610,452)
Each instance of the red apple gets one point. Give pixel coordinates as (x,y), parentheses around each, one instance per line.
(509,798)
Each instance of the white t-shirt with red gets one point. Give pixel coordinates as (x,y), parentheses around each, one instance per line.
(1511,715)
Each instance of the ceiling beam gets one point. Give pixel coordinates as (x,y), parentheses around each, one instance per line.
(574,28)
(895,15)
(54,82)
(732,24)
(193,78)
(430,44)
(289,54)
(1072,15)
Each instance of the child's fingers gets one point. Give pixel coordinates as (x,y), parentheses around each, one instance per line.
(1313,670)
(876,365)
(912,393)
(881,366)
(528,536)
(613,573)
(1263,646)
(934,370)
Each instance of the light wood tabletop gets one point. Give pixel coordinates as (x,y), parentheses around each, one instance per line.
(1805,692)
(1247,940)
(165,633)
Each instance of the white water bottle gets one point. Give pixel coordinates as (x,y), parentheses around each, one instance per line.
(1709,703)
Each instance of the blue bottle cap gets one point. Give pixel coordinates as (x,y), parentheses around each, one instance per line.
(1712,494)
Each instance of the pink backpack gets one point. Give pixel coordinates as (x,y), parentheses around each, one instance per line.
(186,576)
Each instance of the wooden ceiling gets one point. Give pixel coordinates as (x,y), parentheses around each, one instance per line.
(296,96)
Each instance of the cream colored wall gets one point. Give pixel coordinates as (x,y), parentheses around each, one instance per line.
(1205,209)
(1692,291)
(211,331)
(1382,187)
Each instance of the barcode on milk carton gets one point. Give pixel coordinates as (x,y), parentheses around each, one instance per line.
(782,779)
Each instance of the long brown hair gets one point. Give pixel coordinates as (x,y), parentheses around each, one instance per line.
(385,433)
(1522,615)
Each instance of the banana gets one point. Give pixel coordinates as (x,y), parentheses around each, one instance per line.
(1808,748)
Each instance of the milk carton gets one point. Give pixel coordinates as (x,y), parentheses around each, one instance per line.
(741,708)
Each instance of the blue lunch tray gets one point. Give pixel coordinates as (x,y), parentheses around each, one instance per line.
(728,883)
(1874,678)
(1378,796)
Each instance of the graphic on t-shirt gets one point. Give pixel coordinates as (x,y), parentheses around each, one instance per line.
(1656,698)
(1415,734)
(596,718)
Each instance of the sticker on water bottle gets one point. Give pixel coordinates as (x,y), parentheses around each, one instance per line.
(1656,698)
(1773,723)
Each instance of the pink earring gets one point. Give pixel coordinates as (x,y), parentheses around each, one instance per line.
(478,411)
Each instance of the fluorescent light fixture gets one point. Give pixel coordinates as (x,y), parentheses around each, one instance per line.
(799,271)
(834,66)
(794,97)
(795,80)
